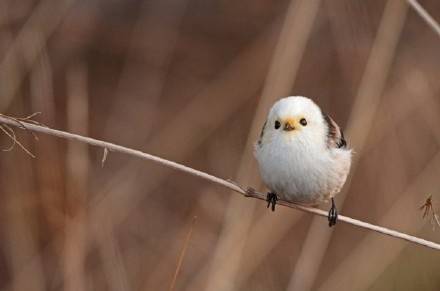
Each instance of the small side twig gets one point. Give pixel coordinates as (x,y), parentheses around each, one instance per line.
(428,207)
(104,157)
(20,124)
(8,130)
(249,192)
(11,134)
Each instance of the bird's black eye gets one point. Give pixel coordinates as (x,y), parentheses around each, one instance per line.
(303,122)
(277,124)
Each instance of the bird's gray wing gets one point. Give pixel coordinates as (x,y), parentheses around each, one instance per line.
(335,136)
(261,134)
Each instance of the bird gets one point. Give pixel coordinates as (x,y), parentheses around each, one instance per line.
(302,155)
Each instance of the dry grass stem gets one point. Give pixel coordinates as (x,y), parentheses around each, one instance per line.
(425,15)
(248,193)
(363,113)
(77,180)
(28,45)
(182,254)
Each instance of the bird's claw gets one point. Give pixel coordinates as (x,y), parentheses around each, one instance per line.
(332,214)
(271,198)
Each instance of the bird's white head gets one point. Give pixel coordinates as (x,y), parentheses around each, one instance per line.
(296,118)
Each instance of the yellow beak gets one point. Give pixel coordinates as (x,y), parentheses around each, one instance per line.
(289,125)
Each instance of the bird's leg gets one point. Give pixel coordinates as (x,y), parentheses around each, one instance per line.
(271,198)
(332,214)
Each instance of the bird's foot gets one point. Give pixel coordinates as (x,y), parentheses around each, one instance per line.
(271,198)
(332,214)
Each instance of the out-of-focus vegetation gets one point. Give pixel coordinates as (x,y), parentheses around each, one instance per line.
(191,81)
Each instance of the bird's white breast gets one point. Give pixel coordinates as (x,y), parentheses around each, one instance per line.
(302,171)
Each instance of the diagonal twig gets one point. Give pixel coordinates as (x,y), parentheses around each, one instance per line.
(247,193)
(425,15)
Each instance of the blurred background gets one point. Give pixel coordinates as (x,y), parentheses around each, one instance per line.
(192,81)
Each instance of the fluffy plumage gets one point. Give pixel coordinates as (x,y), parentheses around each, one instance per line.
(302,154)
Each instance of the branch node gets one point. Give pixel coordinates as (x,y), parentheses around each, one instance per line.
(250,192)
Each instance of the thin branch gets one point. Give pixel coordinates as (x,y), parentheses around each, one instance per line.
(249,192)
(425,15)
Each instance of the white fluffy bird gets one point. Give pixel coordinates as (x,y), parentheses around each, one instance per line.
(302,154)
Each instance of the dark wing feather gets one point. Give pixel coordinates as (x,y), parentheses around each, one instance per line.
(261,134)
(335,136)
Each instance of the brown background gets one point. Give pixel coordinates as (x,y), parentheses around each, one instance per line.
(191,81)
